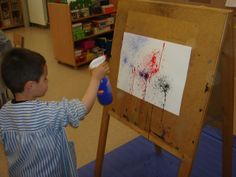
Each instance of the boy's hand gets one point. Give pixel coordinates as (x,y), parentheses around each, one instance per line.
(99,72)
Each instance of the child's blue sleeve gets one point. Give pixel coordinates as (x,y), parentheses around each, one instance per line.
(68,111)
(75,111)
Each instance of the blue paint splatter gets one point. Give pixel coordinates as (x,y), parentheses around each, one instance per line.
(135,43)
(131,65)
(144,74)
(125,60)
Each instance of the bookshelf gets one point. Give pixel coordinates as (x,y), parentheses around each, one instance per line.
(74,38)
(10,14)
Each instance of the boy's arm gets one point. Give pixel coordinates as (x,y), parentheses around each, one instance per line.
(91,93)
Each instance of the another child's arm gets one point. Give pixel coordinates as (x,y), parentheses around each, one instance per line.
(91,92)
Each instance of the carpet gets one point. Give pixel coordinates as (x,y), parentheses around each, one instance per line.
(138,158)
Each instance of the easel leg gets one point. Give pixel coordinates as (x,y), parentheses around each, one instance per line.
(102,142)
(185,168)
(228,101)
(227,148)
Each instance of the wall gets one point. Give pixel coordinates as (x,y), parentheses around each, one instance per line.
(25,12)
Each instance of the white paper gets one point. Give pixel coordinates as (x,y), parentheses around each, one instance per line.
(230,3)
(154,70)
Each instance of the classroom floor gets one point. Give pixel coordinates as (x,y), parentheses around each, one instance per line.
(65,81)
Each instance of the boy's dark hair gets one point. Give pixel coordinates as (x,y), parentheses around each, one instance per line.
(19,66)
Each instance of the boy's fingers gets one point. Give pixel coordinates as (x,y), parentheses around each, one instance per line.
(105,63)
(108,69)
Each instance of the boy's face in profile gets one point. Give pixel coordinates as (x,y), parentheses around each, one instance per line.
(41,87)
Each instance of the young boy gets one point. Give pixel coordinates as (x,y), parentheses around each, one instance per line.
(32,131)
(5,45)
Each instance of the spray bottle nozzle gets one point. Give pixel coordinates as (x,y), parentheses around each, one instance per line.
(97,61)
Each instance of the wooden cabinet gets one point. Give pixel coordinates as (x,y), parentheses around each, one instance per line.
(10,14)
(70,47)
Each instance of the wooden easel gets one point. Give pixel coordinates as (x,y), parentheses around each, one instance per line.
(209,32)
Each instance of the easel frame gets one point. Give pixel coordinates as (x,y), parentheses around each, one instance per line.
(140,115)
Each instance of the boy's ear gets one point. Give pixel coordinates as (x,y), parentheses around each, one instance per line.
(28,85)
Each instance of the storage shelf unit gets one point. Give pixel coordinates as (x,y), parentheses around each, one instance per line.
(10,14)
(94,35)
(91,16)
(61,26)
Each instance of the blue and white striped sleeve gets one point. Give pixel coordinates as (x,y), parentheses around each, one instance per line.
(70,111)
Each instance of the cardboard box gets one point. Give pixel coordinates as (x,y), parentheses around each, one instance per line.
(108,8)
(104,22)
(88,44)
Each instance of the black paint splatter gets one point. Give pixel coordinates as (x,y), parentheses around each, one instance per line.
(163,86)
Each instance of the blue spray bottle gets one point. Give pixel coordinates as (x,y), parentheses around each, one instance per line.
(104,93)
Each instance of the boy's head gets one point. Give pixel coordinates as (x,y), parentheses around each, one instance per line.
(24,71)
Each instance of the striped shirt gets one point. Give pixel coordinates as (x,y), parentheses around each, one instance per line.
(34,138)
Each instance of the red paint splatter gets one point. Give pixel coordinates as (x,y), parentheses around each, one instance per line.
(146,71)
(133,72)
(154,64)
(152,67)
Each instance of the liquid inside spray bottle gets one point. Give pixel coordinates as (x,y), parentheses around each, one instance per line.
(104,93)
